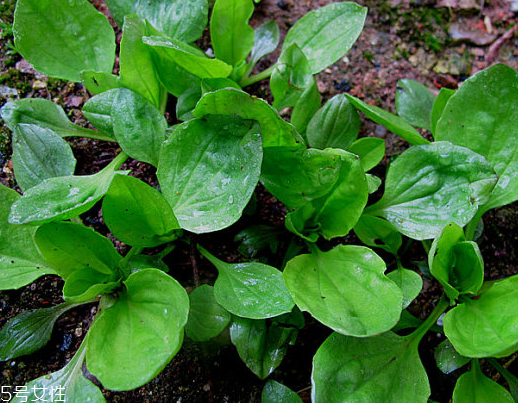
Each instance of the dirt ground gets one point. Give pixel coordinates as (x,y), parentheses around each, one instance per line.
(439,43)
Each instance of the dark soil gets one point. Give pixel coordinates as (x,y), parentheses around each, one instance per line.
(400,40)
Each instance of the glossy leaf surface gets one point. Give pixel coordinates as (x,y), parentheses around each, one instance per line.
(409,282)
(430,186)
(38,154)
(20,261)
(383,368)
(378,233)
(139,127)
(392,122)
(326,34)
(335,125)
(414,103)
(371,151)
(232,37)
(340,287)
(137,214)
(447,358)
(133,340)
(99,82)
(486,326)
(98,110)
(51,37)
(208,171)
(250,290)
(266,39)
(274,392)
(482,115)
(438,106)
(207,318)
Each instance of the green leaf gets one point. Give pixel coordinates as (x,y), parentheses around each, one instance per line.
(447,358)
(430,186)
(40,112)
(371,151)
(486,326)
(266,39)
(232,37)
(474,387)
(215,84)
(335,125)
(275,131)
(373,183)
(257,238)
(61,198)
(139,126)
(414,103)
(326,34)
(482,116)
(178,19)
(49,34)
(438,106)
(383,368)
(69,247)
(20,261)
(306,106)
(209,169)
(409,282)
(207,318)
(378,233)
(98,110)
(274,392)
(99,82)
(512,381)
(331,182)
(340,287)
(137,71)
(392,122)
(456,263)
(140,262)
(133,340)
(120,8)
(290,77)
(261,347)
(29,331)
(250,290)
(38,154)
(137,214)
(187,57)
(68,384)
(85,284)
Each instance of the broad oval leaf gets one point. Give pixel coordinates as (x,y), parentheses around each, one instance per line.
(456,263)
(39,154)
(409,282)
(209,169)
(340,287)
(335,125)
(68,384)
(378,233)
(266,39)
(482,115)
(98,82)
(86,284)
(438,106)
(383,368)
(28,331)
(447,358)
(69,247)
(486,326)
(371,151)
(473,387)
(41,112)
(187,57)
(250,290)
(207,318)
(98,110)
(262,347)
(137,71)
(49,34)
(392,122)
(61,198)
(326,34)
(414,103)
(133,340)
(274,392)
(430,186)
(137,214)
(20,261)
(231,36)
(275,131)
(139,127)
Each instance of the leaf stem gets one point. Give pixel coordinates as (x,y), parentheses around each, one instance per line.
(163,101)
(257,77)
(471,228)
(166,251)
(117,162)
(427,244)
(91,134)
(418,334)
